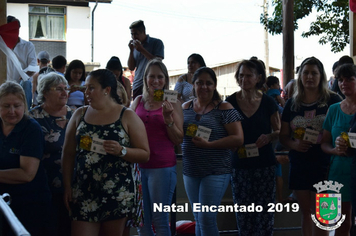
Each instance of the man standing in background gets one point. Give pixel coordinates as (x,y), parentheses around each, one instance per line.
(142,49)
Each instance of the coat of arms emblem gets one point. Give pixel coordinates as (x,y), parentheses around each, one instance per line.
(328,205)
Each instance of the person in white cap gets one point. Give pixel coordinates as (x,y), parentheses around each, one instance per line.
(43,61)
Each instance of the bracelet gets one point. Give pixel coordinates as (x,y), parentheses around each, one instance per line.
(169,125)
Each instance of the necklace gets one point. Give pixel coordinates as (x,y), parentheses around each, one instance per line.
(199,116)
(150,104)
(349,108)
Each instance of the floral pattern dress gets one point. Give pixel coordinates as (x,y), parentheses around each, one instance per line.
(54,139)
(104,186)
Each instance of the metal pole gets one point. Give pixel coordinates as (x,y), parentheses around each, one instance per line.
(92,32)
(265,10)
(14,223)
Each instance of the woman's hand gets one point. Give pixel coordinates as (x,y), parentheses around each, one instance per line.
(167,112)
(282,159)
(67,197)
(341,146)
(200,142)
(302,146)
(263,140)
(74,88)
(112,147)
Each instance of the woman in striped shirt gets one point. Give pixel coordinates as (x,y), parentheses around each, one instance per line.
(212,127)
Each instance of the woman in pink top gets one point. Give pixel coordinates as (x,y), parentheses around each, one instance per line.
(164,125)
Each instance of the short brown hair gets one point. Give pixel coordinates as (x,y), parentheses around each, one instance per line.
(139,25)
(256,67)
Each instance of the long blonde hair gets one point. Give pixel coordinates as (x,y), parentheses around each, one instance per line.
(154,62)
(299,91)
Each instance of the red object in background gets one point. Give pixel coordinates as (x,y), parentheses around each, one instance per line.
(186,228)
(10,33)
(281,82)
(353,5)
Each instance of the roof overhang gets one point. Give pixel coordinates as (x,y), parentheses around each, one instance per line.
(60,2)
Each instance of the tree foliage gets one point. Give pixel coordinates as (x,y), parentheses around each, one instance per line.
(331,23)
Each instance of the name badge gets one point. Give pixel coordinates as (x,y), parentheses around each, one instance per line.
(97,146)
(352,139)
(311,136)
(203,132)
(170,96)
(251,150)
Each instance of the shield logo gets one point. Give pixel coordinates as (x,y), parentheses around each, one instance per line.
(328,207)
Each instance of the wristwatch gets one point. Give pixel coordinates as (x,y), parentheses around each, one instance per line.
(170,124)
(123,152)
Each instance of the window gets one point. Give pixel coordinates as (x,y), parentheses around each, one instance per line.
(47,22)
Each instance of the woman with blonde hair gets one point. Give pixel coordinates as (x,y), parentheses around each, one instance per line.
(305,113)
(22,174)
(164,124)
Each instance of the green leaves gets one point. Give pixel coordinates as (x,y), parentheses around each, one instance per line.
(332,24)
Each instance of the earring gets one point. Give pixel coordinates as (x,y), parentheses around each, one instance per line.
(105,94)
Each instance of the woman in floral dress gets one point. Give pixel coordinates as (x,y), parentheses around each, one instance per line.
(102,142)
(53,115)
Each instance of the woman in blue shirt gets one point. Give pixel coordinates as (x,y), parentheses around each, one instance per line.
(21,172)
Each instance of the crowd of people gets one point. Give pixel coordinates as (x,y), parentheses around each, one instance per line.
(84,159)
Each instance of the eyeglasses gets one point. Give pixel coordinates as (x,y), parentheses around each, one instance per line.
(60,89)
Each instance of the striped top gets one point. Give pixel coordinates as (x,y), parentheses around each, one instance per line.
(185,89)
(200,162)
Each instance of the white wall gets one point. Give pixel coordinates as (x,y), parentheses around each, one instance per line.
(78,29)
(78,34)
(20,11)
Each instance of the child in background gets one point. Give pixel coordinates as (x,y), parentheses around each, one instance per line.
(274,90)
